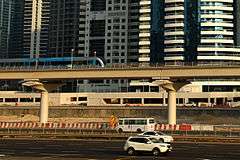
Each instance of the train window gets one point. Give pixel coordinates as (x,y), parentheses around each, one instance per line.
(37,99)
(180,100)
(132,100)
(1,99)
(153,100)
(26,99)
(11,99)
(82,98)
(73,99)
(112,101)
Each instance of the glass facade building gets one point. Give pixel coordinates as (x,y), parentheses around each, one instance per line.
(5,20)
(67,20)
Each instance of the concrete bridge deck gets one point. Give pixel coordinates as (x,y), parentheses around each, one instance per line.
(178,72)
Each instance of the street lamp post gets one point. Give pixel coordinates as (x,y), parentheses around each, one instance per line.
(72,58)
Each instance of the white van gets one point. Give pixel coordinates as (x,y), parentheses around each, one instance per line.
(135,124)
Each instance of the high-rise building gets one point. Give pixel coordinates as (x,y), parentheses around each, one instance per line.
(151,41)
(36,26)
(107,29)
(5,20)
(201,30)
(107,25)
(67,21)
(15,49)
(11,28)
(189,30)
(133,31)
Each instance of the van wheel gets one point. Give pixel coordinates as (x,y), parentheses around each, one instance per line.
(139,130)
(120,130)
(130,151)
(156,152)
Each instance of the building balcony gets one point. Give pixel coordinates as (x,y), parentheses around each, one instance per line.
(220,16)
(144,59)
(174,58)
(145,2)
(143,10)
(219,58)
(144,43)
(213,24)
(144,51)
(173,1)
(174,17)
(229,33)
(218,49)
(181,41)
(180,24)
(145,19)
(179,49)
(180,8)
(144,35)
(144,26)
(217,8)
(213,40)
(173,33)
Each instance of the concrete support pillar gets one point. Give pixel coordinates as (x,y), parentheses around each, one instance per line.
(121,101)
(171,88)
(172,110)
(215,101)
(142,100)
(44,107)
(44,89)
(164,102)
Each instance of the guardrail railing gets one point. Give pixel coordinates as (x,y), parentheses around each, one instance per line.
(110,134)
(120,66)
(108,131)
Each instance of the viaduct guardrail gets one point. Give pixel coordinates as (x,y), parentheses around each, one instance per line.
(118,66)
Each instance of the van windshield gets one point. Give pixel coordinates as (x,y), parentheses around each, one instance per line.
(151,121)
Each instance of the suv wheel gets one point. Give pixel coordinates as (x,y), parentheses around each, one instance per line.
(161,140)
(130,151)
(156,152)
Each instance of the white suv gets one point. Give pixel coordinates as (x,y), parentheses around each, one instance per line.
(158,135)
(146,144)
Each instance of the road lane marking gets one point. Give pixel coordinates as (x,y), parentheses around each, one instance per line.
(70,151)
(126,158)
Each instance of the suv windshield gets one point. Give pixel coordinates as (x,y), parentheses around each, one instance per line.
(161,133)
(154,140)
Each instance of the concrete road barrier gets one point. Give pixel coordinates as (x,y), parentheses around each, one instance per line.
(82,125)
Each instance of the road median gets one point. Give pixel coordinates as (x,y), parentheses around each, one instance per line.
(113,136)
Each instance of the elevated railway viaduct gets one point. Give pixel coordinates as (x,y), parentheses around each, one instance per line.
(170,78)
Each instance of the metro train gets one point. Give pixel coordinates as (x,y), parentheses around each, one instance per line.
(58,61)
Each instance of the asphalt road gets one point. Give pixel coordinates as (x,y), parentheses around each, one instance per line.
(108,150)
